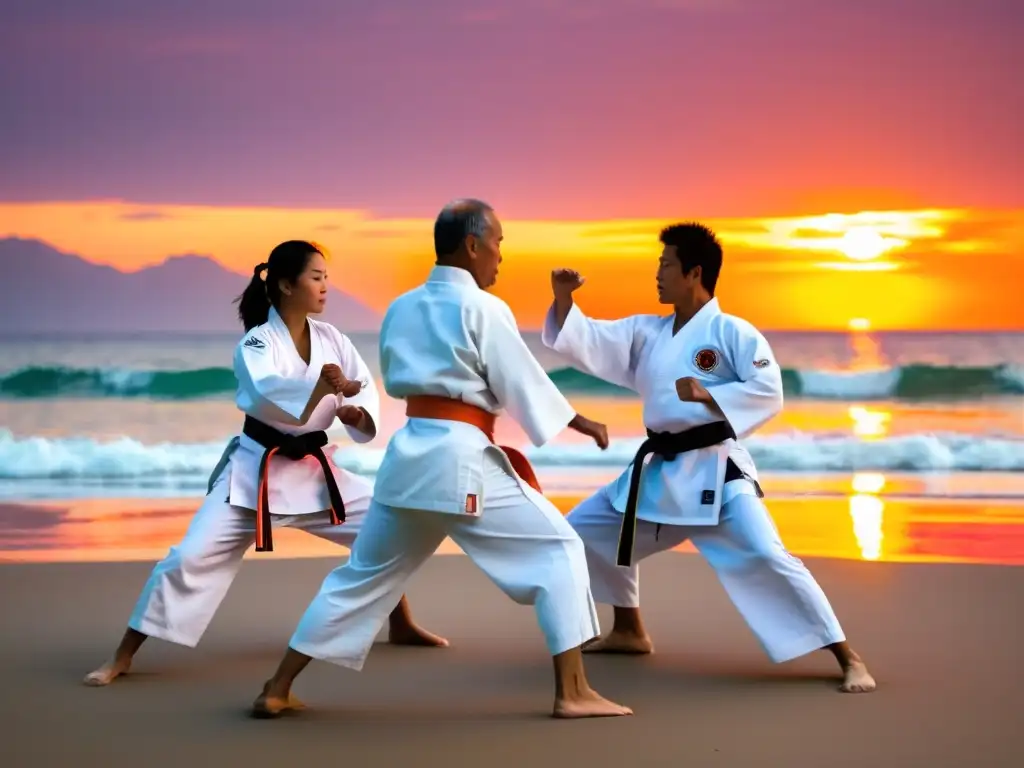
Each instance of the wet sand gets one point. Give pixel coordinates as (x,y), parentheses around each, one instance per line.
(852,518)
(942,639)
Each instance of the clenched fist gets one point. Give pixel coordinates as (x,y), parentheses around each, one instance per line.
(595,430)
(350,415)
(565,281)
(350,388)
(692,391)
(332,375)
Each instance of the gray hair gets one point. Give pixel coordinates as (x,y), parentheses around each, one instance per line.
(457,221)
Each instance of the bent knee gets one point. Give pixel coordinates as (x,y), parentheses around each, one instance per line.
(558,586)
(182,559)
(585,529)
(770,556)
(575,551)
(194,557)
(599,541)
(566,548)
(563,573)
(590,512)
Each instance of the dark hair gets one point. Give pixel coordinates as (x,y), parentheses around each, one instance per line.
(286,262)
(457,221)
(696,246)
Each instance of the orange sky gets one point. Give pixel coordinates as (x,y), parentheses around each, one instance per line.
(230,126)
(905,269)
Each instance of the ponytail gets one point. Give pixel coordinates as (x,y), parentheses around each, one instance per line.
(286,262)
(254,304)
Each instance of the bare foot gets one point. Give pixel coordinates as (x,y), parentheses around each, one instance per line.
(857,679)
(620,642)
(588,704)
(411,634)
(272,706)
(106,674)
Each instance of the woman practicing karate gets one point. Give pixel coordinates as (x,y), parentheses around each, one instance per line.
(295,376)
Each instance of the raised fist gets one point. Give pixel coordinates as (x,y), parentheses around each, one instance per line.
(565,281)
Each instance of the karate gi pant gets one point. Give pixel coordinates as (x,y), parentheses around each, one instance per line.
(520,541)
(777,596)
(186,587)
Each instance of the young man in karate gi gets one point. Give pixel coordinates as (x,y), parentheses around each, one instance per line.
(454,353)
(706,380)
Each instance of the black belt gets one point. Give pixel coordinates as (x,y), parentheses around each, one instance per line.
(668,445)
(292,447)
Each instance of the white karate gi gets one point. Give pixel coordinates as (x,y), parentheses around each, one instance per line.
(449,338)
(274,384)
(686,498)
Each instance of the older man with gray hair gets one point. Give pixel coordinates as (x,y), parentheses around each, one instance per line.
(453,352)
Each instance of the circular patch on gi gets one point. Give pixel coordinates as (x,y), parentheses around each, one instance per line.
(706,360)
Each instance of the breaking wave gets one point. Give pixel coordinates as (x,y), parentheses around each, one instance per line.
(126,459)
(907,382)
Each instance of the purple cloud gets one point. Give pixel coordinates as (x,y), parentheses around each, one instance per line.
(150,215)
(608,107)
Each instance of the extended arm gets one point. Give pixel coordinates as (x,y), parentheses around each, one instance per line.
(601,348)
(520,384)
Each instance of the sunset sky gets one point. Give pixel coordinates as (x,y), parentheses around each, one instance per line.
(134,131)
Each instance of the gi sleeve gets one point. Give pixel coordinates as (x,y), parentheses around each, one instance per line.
(519,383)
(756,397)
(601,348)
(355,368)
(274,397)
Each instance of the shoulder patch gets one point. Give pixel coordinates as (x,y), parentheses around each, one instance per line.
(764,362)
(254,342)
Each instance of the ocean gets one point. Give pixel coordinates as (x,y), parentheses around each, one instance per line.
(150,414)
(91,420)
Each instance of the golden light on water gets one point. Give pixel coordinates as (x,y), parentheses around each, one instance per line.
(868,482)
(869,422)
(867,511)
(861,524)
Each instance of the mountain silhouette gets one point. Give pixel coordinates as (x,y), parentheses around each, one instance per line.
(43,290)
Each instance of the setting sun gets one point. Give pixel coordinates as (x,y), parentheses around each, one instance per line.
(864,244)
(864,270)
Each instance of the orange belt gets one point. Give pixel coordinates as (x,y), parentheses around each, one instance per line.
(431,407)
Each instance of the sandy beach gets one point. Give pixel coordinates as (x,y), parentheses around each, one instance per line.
(808,208)
(942,640)
(909,513)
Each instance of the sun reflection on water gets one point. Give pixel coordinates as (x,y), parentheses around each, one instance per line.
(869,422)
(867,511)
